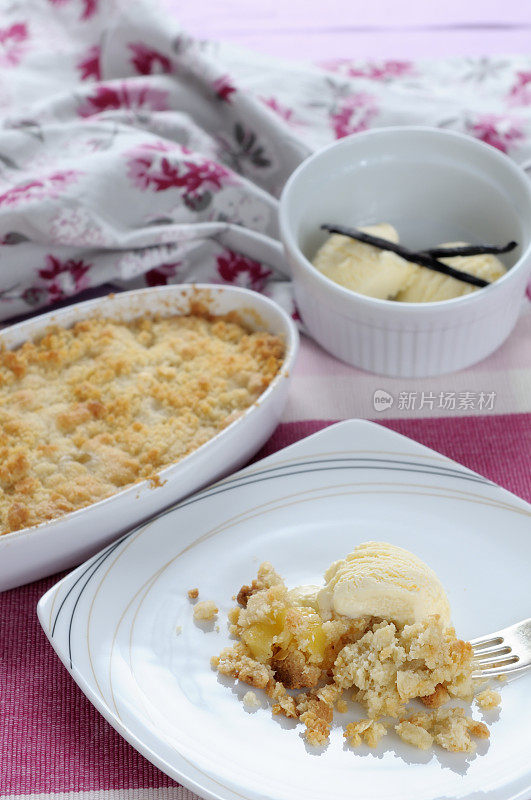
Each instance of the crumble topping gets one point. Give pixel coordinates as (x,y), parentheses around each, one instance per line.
(448,727)
(283,648)
(193,594)
(488,699)
(390,666)
(366,730)
(415,735)
(250,700)
(205,610)
(89,410)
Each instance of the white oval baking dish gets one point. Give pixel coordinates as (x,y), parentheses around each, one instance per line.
(43,549)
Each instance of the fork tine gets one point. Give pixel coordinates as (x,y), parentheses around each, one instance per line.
(504,652)
(493,672)
(482,641)
(492,651)
(497,663)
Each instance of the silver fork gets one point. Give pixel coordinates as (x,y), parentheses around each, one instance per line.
(506,652)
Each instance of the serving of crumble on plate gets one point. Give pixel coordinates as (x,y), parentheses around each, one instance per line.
(295,640)
(302,509)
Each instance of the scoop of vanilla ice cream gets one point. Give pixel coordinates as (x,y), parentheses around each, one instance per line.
(382,580)
(427,286)
(379,273)
(363,268)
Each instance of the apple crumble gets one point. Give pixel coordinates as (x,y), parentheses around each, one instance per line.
(309,660)
(88,410)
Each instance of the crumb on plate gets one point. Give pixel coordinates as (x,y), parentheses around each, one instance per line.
(250,700)
(365,730)
(205,610)
(488,699)
(450,728)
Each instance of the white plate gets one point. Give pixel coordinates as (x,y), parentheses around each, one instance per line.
(113,621)
(43,549)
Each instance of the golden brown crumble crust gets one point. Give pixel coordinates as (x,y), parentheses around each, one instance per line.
(88,410)
(281,647)
(437,698)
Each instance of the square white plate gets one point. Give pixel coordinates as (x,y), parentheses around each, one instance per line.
(113,621)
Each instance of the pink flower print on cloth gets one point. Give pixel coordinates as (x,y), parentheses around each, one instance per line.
(89,66)
(87,7)
(520,92)
(285,113)
(499,131)
(158,169)
(353,114)
(242,271)
(224,88)
(13,44)
(148,61)
(141,160)
(63,278)
(123,94)
(39,188)
(161,275)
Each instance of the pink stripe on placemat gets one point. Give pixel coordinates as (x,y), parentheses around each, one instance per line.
(56,741)
(496,446)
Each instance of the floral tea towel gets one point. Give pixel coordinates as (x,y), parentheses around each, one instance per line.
(133,155)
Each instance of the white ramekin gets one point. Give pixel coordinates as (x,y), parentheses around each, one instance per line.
(434,186)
